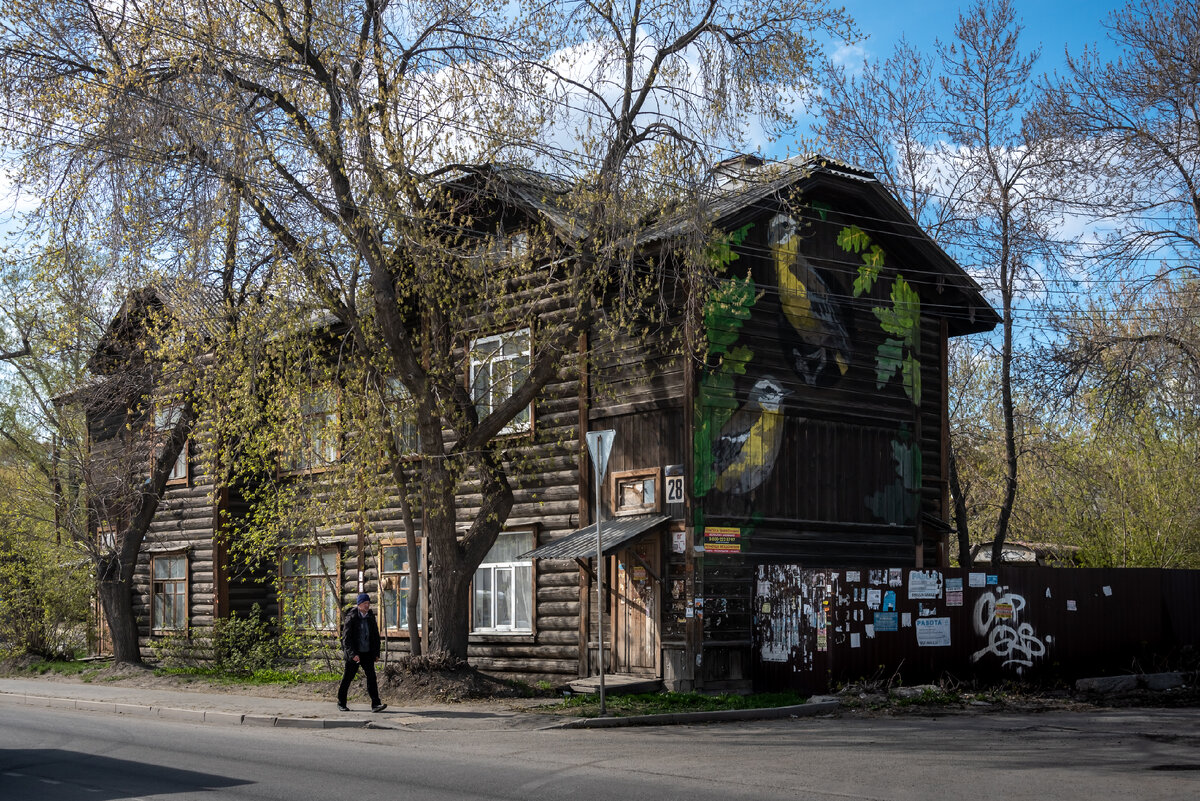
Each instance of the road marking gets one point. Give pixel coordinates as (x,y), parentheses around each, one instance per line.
(16,775)
(49,781)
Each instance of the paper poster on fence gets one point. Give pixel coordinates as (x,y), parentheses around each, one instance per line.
(926,584)
(933,631)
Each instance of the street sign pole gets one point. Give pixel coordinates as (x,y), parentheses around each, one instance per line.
(599,446)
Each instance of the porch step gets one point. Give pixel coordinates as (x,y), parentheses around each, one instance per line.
(615,684)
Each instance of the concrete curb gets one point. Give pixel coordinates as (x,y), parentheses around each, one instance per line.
(1157,682)
(238,719)
(188,715)
(681,718)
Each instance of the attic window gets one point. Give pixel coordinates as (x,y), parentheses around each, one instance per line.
(518,244)
(636,492)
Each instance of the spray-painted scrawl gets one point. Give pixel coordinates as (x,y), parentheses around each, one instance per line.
(997,617)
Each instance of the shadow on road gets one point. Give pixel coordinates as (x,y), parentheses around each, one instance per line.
(51,774)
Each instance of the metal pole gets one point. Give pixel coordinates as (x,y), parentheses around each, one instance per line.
(600,594)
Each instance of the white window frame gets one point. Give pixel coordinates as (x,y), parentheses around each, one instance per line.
(323,613)
(402,588)
(493,571)
(165,418)
(488,360)
(174,592)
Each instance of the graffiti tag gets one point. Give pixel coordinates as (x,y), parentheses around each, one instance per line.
(997,617)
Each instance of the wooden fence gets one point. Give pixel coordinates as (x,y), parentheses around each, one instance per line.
(816,629)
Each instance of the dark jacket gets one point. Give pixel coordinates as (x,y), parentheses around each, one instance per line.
(352,634)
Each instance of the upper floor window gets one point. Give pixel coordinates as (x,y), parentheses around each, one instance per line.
(311,583)
(402,414)
(168,582)
(316,446)
(500,364)
(636,491)
(396,583)
(503,587)
(518,244)
(166,417)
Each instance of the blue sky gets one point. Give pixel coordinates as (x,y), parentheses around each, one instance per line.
(1052,24)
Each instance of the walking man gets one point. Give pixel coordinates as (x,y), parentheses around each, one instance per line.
(360,642)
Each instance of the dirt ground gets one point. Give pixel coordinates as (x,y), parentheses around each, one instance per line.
(398,682)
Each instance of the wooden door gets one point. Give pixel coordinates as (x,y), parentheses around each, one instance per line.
(638,598)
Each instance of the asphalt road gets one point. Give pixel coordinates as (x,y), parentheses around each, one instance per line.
(55,755)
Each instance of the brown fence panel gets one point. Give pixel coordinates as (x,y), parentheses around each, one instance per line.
(818,628)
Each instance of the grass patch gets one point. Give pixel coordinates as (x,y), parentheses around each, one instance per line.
(263,676)
(588,706)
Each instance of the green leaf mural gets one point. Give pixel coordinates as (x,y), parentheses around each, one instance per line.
(900,501)
(853,239)
(899,352)
(728,306)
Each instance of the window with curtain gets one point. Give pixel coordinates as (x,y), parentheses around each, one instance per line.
(502,592)
(395,581)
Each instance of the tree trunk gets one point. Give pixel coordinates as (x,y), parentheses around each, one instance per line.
(1010,439)
(1007,279)
(960,514)
(448,604)
(116,599)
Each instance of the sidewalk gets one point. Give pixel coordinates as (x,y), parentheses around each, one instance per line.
(233,709)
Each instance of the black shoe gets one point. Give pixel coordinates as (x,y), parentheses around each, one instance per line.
(379,707)
(343,708)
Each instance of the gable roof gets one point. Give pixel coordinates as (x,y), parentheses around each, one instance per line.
(749,185)
(752,184)
(190,303)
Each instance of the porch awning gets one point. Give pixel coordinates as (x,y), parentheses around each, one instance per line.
(581,544)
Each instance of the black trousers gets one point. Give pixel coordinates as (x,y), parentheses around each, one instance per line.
(368,666)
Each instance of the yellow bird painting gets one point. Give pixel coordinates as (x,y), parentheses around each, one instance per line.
(807,306)
(748,444)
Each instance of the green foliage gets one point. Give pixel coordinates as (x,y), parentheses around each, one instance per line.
(44,593)
(237,645)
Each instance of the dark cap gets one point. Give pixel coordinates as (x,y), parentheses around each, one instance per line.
(362,596)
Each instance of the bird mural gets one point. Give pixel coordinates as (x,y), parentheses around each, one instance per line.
(748,444)
(807,306)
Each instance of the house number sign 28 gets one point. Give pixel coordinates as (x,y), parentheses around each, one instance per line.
(674,489)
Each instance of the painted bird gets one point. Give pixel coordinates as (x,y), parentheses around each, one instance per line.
(748,444)
(807,306)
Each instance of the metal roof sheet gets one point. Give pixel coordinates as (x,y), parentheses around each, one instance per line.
(582,543)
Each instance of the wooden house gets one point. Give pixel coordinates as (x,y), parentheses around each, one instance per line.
(813,431)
